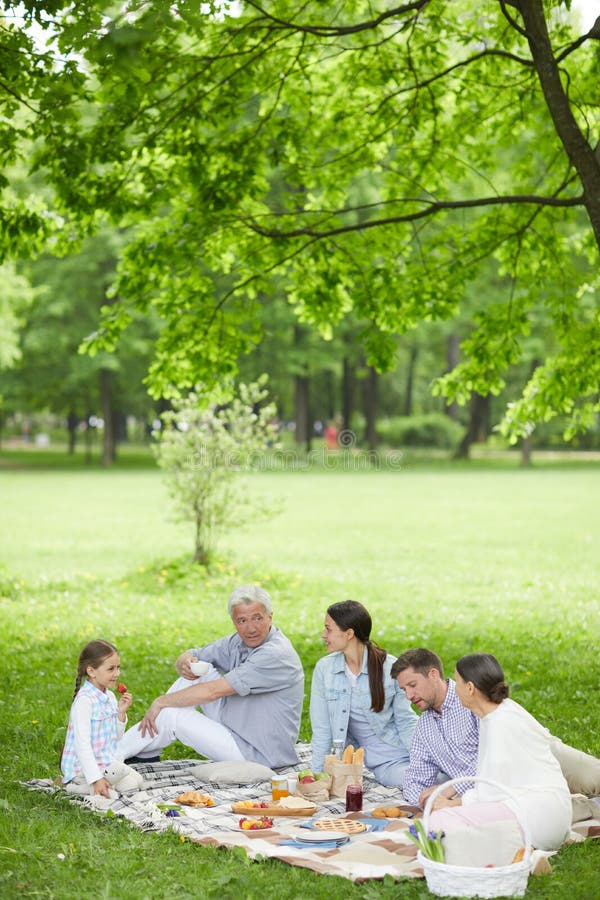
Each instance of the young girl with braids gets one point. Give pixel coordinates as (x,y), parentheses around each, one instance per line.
(96,721)
(355,699)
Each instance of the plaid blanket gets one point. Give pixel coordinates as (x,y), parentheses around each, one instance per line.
(384,849)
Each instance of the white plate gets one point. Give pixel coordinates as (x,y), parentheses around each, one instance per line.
(324,837)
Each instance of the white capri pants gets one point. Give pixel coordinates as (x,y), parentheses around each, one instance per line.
(203,732)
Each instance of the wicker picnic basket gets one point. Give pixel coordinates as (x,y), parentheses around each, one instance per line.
(444,880)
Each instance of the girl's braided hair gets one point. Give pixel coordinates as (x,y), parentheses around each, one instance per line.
(93,654)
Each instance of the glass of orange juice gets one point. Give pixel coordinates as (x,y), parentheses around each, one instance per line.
(279,788)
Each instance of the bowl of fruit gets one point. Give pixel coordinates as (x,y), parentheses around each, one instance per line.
(255,824)
(313,785)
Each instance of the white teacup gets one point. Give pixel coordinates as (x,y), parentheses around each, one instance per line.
(292,785)
(199,667)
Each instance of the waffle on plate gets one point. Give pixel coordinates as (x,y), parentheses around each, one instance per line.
(348,826)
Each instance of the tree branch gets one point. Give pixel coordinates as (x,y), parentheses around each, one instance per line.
(512,22)
(593,33)
(340,30)
(458,65)
(433,207)
(579,151)
(9,90)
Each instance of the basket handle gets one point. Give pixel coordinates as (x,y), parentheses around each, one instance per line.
(521,817)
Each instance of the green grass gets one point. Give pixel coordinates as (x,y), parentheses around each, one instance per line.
(455,557)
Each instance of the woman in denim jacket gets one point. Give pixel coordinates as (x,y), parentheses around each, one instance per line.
(354,698)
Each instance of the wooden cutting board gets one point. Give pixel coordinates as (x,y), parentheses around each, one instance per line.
(273,810)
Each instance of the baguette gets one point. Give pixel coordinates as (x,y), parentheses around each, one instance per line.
(358,756)
(348,754)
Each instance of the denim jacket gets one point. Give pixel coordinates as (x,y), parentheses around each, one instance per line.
(330,707)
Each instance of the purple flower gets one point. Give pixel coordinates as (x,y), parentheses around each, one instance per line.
(413,831)
(172,813)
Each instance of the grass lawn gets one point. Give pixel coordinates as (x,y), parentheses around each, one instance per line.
(458,558)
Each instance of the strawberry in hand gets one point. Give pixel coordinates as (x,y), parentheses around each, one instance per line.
(125,700)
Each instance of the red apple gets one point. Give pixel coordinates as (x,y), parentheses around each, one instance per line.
(308,779)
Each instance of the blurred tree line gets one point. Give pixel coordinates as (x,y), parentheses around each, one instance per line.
(314,381)
(388,209)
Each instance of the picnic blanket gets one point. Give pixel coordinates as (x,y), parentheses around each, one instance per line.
(383,849)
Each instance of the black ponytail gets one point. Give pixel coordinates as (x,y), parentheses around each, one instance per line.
(352,614)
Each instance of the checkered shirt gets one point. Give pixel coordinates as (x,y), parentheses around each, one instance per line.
(103,726)
(443,742)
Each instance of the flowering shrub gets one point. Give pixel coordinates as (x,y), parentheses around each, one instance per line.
(206,445)
(429,844)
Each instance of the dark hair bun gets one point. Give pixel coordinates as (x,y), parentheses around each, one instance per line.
(499,692)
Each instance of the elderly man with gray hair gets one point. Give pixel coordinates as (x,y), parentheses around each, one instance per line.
(251,694)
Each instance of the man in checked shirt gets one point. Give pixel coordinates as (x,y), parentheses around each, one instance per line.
(445,740)
(446,736)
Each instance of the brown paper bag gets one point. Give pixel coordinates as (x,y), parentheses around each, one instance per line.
(315,791)
(342,774)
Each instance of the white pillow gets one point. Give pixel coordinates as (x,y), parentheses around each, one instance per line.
(232,772)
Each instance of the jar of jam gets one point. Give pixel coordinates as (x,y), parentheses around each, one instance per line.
(354,798)
(279,787)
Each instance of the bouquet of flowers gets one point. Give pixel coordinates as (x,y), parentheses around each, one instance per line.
(430,844)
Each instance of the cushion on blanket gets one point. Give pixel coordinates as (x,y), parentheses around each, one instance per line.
(581,770)
(232,772)
(582,808)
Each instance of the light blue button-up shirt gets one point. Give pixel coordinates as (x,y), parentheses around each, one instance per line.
(264,713)
(331,698)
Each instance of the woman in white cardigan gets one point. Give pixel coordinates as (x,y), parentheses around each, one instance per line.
(514,750)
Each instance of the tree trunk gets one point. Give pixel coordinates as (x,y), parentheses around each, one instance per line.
(108,446)
(526,445)
(478,424)
(410,380)
(72,423)
(201,550)
(88,439)
(526,452)
(303,432)
(452,360)
(581,154)
(370,407)
(347,394)
(119,430)
(330,406)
